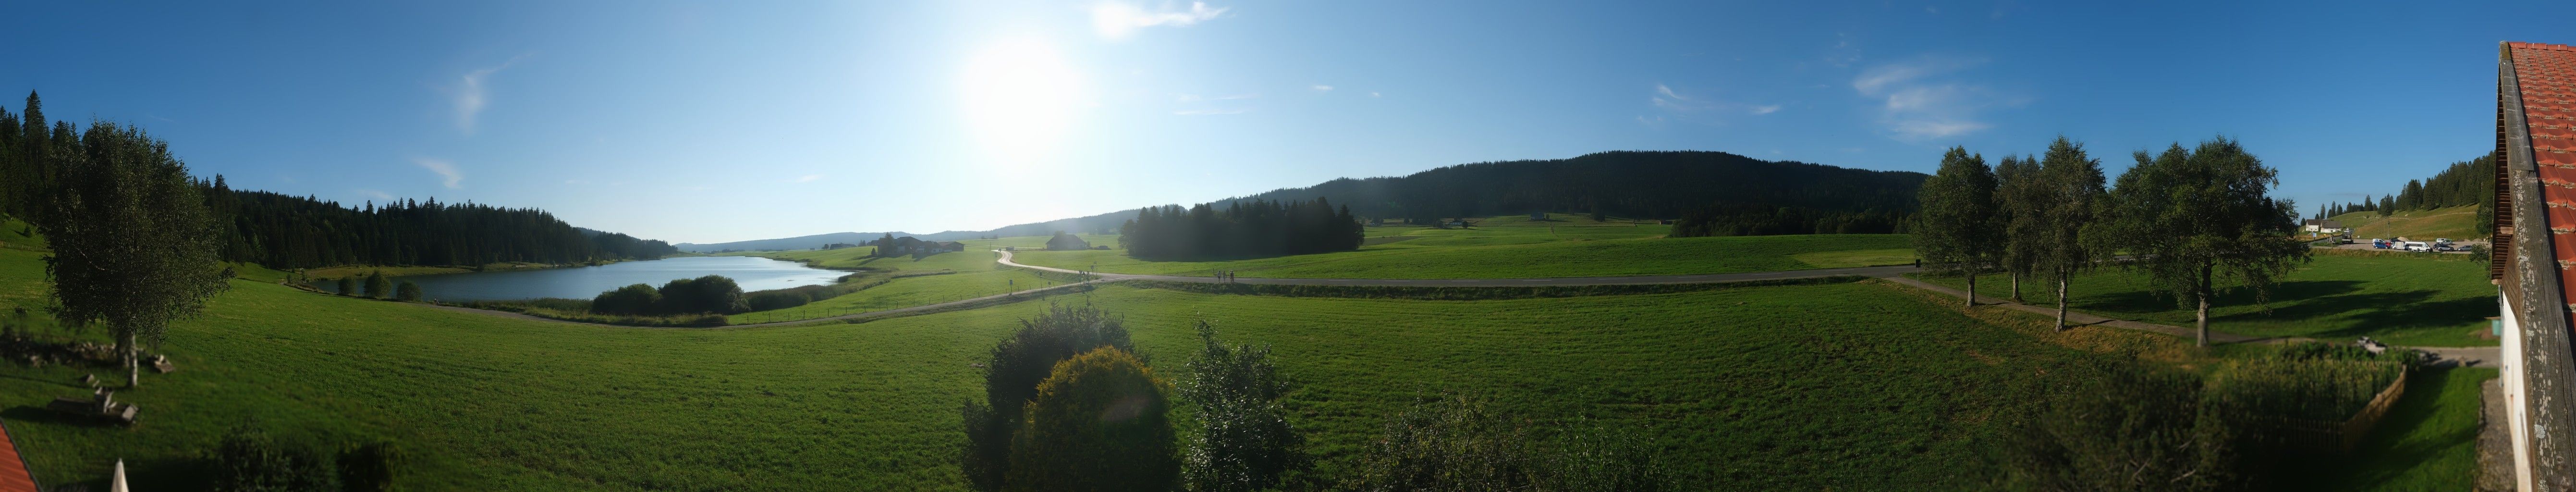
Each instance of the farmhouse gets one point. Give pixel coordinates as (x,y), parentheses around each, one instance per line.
(1066,242)
(2526,262)
(2322,226)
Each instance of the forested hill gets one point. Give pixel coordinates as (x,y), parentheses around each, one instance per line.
(283,231)
(1730,194)
(1626,184)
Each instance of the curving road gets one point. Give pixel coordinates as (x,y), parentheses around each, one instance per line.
(1884,271)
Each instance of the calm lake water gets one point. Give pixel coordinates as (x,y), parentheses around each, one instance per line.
(587,282)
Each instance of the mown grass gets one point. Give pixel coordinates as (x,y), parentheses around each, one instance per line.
(2421,225)
(2423,300)
(1852,386)
(2428,441)
(1458,253)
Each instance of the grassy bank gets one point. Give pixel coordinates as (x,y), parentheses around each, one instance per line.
(2427,300)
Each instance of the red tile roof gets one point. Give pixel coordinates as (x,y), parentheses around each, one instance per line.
(13,470)
(2546,74)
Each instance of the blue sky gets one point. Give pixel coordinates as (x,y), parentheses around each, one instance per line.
(710,122)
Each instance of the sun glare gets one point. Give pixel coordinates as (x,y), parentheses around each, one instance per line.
(1021,98)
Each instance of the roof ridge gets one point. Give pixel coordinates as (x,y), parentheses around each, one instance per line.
(2542,46)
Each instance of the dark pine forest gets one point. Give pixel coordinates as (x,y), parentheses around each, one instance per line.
(283,231)
(1243,229)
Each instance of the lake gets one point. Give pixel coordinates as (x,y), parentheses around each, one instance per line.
(587,282)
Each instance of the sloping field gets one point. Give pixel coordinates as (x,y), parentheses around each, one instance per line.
(2421,225)
(1852,386)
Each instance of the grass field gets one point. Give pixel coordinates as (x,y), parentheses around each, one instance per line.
(972,273)
(1855,386)
(2422,225)
(1516,254)
(2429,441)
(2425,300)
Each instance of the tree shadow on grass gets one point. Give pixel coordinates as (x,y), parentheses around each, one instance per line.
(2144,298)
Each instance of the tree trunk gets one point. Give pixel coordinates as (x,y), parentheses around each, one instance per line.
(2202,291)
(2061,303)
(1972,288)
(2016,286)
(133,370)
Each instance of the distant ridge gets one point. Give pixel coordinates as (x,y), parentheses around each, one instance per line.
(798,242)
(1643,184)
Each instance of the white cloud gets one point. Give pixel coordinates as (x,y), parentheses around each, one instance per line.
(1922,100)
(1680,105)
(808,178)
(1321,88)
(470,96)
(377,194)
(1373,94)
(1206,112)
(1116,20)
(443,168)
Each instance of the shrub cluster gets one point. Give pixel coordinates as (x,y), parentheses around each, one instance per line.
(2140,428)
(247,460)
(1011,378)
(1460,443)
(708,294)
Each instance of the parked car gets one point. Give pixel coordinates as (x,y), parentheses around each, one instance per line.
(2343,239)
(2418,246)
(2444,248)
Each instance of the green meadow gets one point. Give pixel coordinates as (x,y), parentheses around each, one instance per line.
(908,282)
(2459,222)
(1851,385)
(2405,299)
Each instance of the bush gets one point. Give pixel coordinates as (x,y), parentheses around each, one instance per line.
(370,467)
(635,299)
(1243,441)
(2132,429)
(379,287)
(708,294)
(248,460)
(1011,377)
(348,286)
(1457,443)
(407,292)
(1097,424)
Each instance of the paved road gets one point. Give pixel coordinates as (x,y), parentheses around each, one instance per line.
(1884,271)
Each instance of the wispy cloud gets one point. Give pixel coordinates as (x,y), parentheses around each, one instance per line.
(808,178)
(470,95)
(1117,20)
(1922,99)
(377,194)
(1321,88)
(1373,94)
(1678,104)
(1206,112)
(445,170)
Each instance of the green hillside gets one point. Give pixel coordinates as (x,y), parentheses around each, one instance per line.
(2459,222)
(2405,299)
